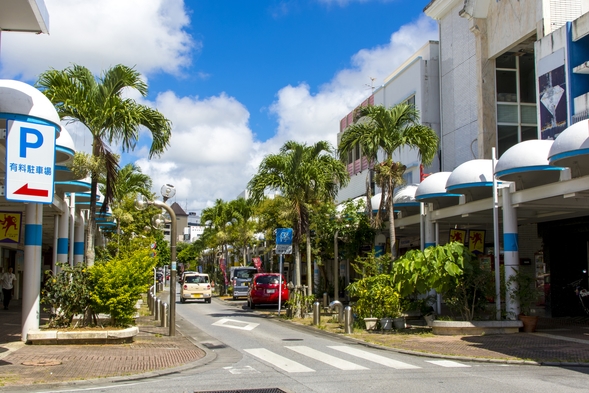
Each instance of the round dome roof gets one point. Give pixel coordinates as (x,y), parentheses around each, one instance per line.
(473,178)
(433,190)
(23,99)
(526,164)
(64,147)
(571,149)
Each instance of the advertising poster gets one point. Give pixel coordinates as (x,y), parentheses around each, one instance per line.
(476,241)
(553,103)
(10,224)
(457,235)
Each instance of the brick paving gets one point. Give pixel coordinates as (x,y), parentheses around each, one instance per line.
(557,341)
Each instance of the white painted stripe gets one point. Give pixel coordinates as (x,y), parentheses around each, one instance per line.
(563,338)
(446,363)
(279,361)
(235,324)
(374,358)
(327,359)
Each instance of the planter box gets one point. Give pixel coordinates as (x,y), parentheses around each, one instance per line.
(475,328)
(82,337)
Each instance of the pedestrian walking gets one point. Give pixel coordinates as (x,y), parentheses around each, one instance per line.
(7,280)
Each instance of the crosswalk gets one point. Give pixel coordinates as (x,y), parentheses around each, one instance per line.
(334,359)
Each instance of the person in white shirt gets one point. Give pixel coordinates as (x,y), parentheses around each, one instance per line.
(7,280)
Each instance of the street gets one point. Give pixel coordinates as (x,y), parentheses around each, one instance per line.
(251,351)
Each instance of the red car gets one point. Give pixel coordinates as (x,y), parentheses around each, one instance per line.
(264,290)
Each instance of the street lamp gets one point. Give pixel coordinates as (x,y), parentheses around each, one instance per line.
(140,204)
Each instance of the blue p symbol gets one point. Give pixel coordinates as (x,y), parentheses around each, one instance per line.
(24,140)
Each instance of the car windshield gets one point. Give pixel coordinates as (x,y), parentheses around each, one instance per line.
(196,279)
(245,274)
(267,280)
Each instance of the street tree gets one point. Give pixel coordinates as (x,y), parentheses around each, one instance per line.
(101,105)
(389,129)
(304,175)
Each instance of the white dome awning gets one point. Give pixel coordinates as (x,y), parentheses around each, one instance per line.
(473,178)
(571,149)
(527,165)
(433,190)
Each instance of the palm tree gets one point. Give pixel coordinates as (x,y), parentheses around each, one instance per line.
(100,105)
(130,181)
(304,175)
(390,130)
(217,217)
(243,225)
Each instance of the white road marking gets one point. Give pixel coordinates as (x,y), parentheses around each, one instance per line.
(278,361)
(243,370)
(327,359)
(375,358)
(235,324)
(446,363)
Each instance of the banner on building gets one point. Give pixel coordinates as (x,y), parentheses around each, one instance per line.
(258,264)
(476,241)
(458,235)
(10,224)
(224,270)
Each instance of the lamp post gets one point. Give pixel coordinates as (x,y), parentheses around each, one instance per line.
(141,204)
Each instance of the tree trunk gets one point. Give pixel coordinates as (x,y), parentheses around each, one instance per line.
(90,252)
(309,265)
(297,252)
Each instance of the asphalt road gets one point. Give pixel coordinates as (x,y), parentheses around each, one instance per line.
(250,351)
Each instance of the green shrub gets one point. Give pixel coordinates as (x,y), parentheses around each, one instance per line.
(375,297)
(118,284)
(67,294)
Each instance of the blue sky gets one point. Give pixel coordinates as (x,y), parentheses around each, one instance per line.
(237,78)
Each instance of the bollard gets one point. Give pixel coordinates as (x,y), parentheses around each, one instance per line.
(164,315)
(348,320)
(339,308)
(325,300)
(316,314)
(149,302)
(156,313)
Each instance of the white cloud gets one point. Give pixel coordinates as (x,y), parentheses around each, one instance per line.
(99,34)
(309,118)
(213,151)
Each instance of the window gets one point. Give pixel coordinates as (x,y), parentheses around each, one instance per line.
(516,99)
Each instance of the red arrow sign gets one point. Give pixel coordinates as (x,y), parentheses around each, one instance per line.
(25,190)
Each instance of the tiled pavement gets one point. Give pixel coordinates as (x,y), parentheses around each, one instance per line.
(557,341)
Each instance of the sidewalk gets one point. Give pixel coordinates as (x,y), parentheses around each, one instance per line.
(563,341)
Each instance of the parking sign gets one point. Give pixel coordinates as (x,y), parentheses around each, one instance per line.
(284,241)
(30,162)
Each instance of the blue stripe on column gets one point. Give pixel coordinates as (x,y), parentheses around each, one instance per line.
(429,245)
(79,248)
(510,242)
(62,245)
(33,234)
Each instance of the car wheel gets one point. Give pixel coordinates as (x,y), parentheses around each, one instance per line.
(208,300)
(182,300)
(252,305)
(234,297)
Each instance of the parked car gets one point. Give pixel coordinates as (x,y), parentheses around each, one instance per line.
(241,279)
(196,286)
(265,290)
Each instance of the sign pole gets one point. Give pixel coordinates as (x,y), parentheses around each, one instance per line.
(280,285)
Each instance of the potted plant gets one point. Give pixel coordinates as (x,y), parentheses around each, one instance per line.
(375,298)
(522,288)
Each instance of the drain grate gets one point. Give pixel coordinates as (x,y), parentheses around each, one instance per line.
(265,390)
